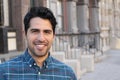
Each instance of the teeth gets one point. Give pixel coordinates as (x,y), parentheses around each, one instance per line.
(40,45)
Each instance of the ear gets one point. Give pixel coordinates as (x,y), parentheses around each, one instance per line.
(23,33)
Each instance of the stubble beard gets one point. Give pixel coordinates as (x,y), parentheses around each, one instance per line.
(36,54)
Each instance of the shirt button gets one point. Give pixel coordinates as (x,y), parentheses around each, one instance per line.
(30,65)
(39,73)
(46,66)
(34,64)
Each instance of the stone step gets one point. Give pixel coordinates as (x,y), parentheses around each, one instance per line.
(75,65)
(87,62)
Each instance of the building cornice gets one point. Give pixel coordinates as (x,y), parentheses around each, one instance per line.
(73,0)
(82,3)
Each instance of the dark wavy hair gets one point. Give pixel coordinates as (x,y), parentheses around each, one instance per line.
(41,12)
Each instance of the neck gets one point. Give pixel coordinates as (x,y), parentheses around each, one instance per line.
(40,60)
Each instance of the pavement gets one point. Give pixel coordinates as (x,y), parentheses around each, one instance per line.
(107,69)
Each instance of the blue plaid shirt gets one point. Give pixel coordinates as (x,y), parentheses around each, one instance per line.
(25,68)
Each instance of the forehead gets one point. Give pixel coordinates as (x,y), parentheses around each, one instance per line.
(38,22)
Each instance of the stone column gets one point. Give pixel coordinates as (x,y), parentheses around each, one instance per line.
(94,21)
(39,2)
(82,16)
(72,16)
(82,20)
(53,6)
(6,12)
(105,25)
(94,16)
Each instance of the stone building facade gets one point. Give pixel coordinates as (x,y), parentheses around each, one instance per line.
(84,27)
(100,18)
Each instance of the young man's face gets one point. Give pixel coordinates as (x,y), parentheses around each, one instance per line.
(39,37)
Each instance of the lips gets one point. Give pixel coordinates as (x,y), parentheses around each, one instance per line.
(40,46)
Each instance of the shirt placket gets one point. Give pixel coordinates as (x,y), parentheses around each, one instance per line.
(39,73)
(38,70)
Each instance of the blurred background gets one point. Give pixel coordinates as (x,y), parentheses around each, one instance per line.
(86,29)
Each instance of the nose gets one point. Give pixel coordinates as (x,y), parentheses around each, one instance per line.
(41,36)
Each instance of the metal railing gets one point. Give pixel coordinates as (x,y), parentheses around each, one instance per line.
(75,44)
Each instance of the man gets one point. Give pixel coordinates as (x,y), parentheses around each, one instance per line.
(36,63)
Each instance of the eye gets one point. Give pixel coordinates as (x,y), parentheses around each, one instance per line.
(48,31)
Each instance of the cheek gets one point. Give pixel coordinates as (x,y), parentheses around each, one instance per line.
(30,39)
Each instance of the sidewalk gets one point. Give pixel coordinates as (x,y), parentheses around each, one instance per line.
(108,69)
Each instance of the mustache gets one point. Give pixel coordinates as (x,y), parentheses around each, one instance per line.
(38,42)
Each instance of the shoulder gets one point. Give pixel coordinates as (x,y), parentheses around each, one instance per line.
(62,65)
(59,63)
(64,68)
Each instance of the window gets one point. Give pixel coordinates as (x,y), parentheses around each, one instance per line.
(59,13)
(1,13)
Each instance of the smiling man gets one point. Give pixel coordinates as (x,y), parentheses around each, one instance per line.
(36,63)
(40,37)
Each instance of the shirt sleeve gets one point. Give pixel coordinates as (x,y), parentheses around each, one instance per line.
(74,76)
(1,75)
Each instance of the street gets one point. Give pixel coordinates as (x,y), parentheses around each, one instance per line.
(108,69)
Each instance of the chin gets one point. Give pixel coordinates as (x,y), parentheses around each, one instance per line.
(40,54)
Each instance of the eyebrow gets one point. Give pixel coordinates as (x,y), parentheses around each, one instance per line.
(34,29)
